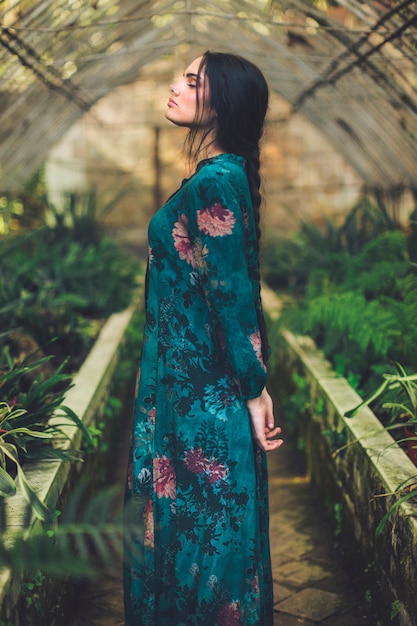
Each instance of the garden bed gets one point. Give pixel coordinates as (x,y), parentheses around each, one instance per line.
(53,480)
(359,483)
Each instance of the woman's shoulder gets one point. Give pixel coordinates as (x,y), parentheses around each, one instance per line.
(223,168)
(223,162)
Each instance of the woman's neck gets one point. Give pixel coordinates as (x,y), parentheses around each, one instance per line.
(208,147)
(209,152)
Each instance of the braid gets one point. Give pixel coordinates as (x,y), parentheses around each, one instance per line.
(254,179)
(252,165)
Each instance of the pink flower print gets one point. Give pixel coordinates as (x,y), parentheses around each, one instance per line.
(182,240)
(256,341)
(229,615)
(216,221)
(216,471)
(148,540)
(164,477)
(194,461)
(151,415)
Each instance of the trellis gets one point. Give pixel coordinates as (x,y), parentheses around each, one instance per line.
(349,68)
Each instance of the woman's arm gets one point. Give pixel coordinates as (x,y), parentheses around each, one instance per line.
(215,223)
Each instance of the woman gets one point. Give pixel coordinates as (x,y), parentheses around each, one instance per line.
(197,548)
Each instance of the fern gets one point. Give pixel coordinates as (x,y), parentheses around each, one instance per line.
(89,536)
(363,331)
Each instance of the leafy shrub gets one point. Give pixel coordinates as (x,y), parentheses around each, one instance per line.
(56,286)
(358,295)
(288,261)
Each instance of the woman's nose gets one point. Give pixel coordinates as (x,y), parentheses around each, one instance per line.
(174,89)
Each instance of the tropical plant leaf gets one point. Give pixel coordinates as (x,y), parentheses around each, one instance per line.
(7,484)
(393,508)
(31,433)
(23,369)
(38,507)
(77,422)
(7,413)
(373,396)
(53,453)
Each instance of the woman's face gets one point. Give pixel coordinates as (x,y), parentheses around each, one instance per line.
(182,105)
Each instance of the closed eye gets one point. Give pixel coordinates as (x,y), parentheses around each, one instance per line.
(192,80)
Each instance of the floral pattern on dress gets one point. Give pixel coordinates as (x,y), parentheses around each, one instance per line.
(216,221)
(181,240)
(164,477)
(197,547)
(256,341)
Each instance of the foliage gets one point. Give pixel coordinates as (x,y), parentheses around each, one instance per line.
(8,452)
(400,392)
(25,209)
(36,404)
(57,282)
(27,402)
(354,290)
(88,536)
(91,535)
(404,405)
(288,261)
(90,530)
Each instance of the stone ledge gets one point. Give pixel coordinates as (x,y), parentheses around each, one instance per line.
(85,398)
(371,466)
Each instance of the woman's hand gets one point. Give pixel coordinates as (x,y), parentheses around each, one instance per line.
(262,421)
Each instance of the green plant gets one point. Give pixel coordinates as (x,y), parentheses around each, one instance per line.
(27,404)
(395,609)
(60,281)
(88,536)
(338,517)
(26,208)
(35,399)
(288,262)
(401,389)
(30,590)
(363,317)
(404,386)
(9,452)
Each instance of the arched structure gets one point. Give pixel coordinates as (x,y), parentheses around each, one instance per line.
(347,66)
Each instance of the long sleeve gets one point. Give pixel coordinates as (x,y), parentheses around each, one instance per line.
(221,229)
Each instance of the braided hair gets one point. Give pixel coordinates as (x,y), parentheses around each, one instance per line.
(238,94)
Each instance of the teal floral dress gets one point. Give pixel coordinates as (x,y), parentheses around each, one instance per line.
(196,538)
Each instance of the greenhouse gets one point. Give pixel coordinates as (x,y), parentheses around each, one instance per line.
(87,157)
